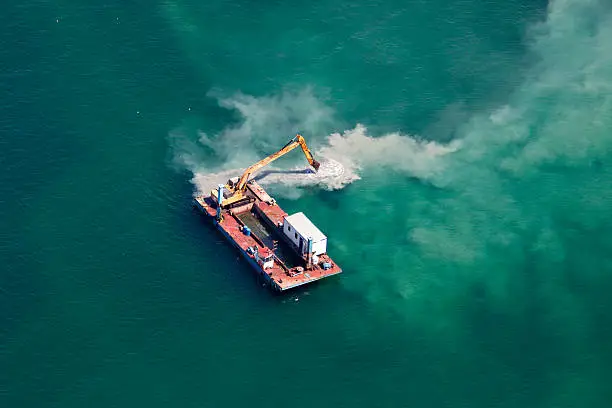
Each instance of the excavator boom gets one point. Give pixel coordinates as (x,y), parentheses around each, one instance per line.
(240,186)
(298,140)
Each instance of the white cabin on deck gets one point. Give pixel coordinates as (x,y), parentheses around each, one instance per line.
(299,229)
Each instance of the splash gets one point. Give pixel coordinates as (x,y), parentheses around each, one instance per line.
(265,124)
(330,176)
(263,128)
(357,150)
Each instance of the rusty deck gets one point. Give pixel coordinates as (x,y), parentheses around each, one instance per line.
(279,276)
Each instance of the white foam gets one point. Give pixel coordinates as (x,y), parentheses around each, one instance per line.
(330,176)
(266,124)
(356,150)
(343,158)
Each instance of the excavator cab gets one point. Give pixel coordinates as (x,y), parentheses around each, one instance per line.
(231,183)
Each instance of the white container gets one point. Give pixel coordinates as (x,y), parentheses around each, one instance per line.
(298,228)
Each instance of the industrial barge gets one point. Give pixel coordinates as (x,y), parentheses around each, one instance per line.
(285,250)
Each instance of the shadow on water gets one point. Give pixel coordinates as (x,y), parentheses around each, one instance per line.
(261,175)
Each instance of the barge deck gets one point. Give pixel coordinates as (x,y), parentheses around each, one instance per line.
(256,230)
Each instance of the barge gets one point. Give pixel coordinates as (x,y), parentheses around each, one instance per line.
(285,250)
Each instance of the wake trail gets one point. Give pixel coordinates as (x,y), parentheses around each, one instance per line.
(264,125)
(343,158)
(330,176)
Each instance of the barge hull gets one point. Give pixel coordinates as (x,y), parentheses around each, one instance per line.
(279,277)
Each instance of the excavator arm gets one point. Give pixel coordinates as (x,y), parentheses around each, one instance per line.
(298,140)
(307,153)
(238,189)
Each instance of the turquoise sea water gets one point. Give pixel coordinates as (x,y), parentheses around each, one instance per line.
(472,219)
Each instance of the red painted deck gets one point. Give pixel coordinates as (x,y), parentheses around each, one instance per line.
(258,192)
(274,213)
(278,275)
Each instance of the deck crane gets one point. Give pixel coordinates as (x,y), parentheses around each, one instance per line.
(236,187)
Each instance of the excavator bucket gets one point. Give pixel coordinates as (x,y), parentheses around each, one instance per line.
(316,164)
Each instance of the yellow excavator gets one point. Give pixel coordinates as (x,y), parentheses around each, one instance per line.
(236,187)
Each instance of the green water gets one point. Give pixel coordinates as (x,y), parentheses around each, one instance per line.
(476,244)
